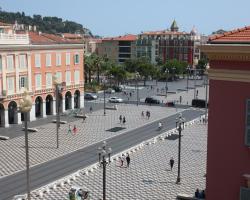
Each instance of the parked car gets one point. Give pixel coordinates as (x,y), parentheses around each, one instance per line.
(115,100)
(152,100)
(110,91)
(117,88)
(201,103)
(90,96)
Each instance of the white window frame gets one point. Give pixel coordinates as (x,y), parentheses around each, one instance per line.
(23,84)
(59,76)
(58,59)
(67,57)
(38,84)
(37,60)
(76,56)
(22,61)
(68,77)
(77,76)
(48,77)
(11,85)
(48,60)
(10,62)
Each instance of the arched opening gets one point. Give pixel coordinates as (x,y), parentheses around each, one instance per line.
(12,112)
(68,101)
(2,119)
(77,99)
(39,107)
(49,105)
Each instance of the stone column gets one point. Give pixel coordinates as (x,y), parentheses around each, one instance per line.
(16,90)
(63,105)
(6,118)
(30,78)
(44,109)
(82,101)
(4,71)
(33,113)
(54,107)
(19,119)
(72,102)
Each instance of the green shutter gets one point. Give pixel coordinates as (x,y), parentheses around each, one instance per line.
(247,131)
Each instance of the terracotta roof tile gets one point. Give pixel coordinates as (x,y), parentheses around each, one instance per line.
(241,35)
(129,37)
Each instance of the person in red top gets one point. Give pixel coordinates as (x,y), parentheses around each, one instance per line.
(74,129)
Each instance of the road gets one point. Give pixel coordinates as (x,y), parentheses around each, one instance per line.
(47,172)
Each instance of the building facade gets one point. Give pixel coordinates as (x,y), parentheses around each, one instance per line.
(228,154)
(118,49)
(31,65)
(169,44)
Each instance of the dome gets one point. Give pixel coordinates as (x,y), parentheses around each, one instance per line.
(193,31)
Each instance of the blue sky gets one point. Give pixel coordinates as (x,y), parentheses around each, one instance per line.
(118,17)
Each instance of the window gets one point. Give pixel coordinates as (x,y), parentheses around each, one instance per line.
(76,58)
(23,82)
(67,58)
(59,76)
(58,59)
(38,60)
(48,80)
(38,81)
(48,60)
(10,84)
(247,133)
(0,63)
(10,62)
(77,76)
(22,61)
(68,78)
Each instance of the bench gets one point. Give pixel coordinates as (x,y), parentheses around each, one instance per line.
(31,129)
(187,197)
(61,122)
(4,137)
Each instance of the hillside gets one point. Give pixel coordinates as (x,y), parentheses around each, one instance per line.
(44,24)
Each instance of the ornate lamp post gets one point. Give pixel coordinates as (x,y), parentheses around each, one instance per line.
(104,97)
(25,107)
(57,84)
(206,84)
(180,126)
(173,73)
(104,152)
(188,71)
(167,72)
(137,76)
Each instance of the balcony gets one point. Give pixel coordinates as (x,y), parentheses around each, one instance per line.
(14,38)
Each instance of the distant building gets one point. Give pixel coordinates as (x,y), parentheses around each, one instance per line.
(169,44)
(29,60)
(228,153)
(118,49)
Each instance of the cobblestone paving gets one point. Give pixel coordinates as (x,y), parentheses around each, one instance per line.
(43,143)
(149,175)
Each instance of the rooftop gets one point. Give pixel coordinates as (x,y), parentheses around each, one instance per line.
(128,37)
(241,35)
(164,32)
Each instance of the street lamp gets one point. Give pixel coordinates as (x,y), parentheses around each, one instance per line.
(173,73)
(188,71)
(104,97)
(195,63)
(167,72)
(57,83)
(206,84)
(25,105)
(137,76)
(180,126)
(104,152)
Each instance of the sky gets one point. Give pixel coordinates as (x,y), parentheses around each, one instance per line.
(119,17)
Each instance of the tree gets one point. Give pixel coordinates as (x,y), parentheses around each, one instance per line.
(174,67)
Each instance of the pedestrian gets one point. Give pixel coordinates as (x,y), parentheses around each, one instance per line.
(120,118)
(180,99)
(197,92)
(74,129)
(124,120)
(149,114)
(122,160)
(128,160)
(151,87)
(130,94)
(91,109)
(171,162)
(69,130)
(142,114)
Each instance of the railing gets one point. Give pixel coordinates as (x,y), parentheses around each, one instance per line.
(14,38)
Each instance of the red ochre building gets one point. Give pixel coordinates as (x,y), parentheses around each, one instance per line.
(228,158)
(28,61)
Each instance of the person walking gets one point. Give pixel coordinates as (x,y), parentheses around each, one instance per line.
(90,109)
(171,162)
(69,130)
(142,114)
(124,120)
(128,160)
(149,114)
(74,129)
(180,99)
(120,118)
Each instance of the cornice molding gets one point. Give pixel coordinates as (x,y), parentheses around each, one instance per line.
(229,75)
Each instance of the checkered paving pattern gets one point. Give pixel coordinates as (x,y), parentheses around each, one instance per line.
(43,143)
(149,175)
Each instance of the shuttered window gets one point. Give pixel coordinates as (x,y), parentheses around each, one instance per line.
(247,134)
